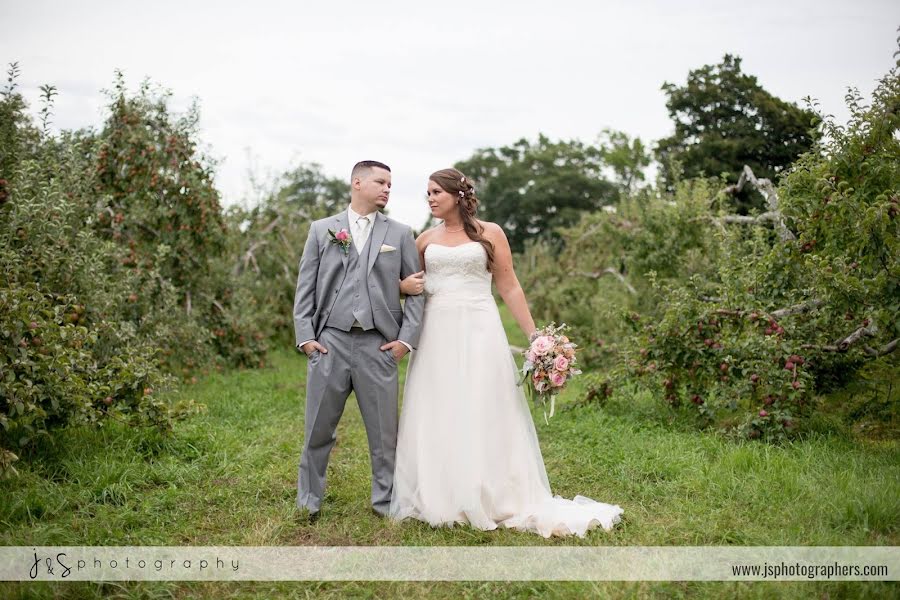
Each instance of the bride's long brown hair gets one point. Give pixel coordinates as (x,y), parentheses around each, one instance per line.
(454,182)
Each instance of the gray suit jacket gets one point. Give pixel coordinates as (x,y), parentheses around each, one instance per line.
(323,269)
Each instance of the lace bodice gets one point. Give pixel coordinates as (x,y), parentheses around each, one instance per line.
(452,270)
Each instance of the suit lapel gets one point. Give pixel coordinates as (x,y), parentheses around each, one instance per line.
(379,231)
(341,222)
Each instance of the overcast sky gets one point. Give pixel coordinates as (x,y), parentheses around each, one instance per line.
(420,85)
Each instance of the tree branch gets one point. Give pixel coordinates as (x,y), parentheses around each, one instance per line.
(268,228)
(146,229)
(844,344)
(854,337)
(608,271)
(757,220)
(781,312)
(249,257)
(796,309)
(886,349)
(765,187)
(219,306)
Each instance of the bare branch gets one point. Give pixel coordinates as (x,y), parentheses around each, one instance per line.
(854,337)
(764,217)
(589,232)
(886,349)
(796,309)
(781,312)
(268,228)
(844,344)
(765,187)
(146,229)
(249,257)
(608,271)
(616,222)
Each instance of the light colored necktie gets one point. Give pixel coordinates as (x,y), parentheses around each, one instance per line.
(362,228)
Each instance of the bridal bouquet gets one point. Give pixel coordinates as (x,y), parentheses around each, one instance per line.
(549,364)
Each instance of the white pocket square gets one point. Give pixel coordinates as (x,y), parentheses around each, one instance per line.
(386,248)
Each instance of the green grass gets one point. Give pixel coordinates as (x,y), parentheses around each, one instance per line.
(228,477)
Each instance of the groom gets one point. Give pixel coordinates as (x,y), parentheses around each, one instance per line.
(349,322)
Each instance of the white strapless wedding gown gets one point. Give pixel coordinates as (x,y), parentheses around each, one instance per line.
(467,450)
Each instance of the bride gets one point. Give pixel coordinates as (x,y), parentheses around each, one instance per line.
(467,450)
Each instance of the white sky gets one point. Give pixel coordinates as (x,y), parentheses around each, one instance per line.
(420,85)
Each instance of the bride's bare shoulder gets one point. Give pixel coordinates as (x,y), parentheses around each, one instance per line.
(428,233)
(424,237)
(492,230)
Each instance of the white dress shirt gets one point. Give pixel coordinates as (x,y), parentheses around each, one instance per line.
(360,228)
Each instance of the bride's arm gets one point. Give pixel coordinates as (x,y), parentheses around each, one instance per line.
(505,279)
(415,283)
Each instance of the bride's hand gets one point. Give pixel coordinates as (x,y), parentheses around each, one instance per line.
(414,284)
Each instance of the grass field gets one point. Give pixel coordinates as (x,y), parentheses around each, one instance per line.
(228,477)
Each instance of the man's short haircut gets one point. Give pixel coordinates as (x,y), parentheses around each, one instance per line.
(363,166)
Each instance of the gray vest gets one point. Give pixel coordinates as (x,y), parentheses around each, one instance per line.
(352,302)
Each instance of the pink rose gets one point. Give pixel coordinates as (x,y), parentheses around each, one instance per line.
(530,357)
(542,345)
(557,379)
(342,236)
(561,363)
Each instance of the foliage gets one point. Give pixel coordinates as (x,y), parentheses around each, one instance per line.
(602,271)
(726,316)
(18,136)
(724,120)
(154,188)
(626,157)
(532,188)
(155,198)
(71,353)
(116,269)
(273,234)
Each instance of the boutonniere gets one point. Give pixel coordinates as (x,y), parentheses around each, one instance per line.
(341,238)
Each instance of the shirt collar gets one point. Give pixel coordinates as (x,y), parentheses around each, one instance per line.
(352,216)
